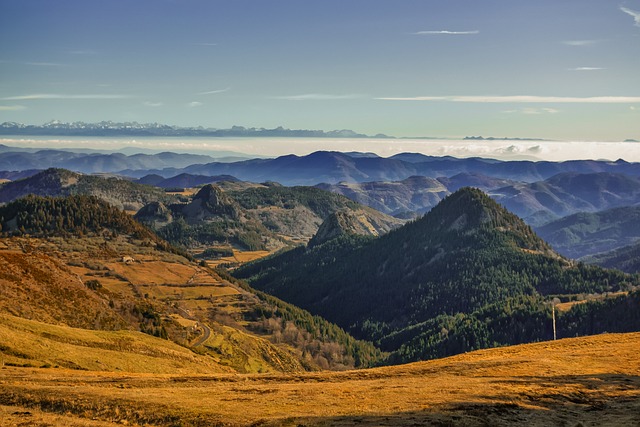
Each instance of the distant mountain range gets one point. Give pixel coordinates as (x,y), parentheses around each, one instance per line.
(322,166)
(109,128)
(334,167)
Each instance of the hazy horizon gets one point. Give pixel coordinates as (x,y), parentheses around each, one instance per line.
(274,147)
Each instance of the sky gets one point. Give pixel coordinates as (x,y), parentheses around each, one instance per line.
(553,69)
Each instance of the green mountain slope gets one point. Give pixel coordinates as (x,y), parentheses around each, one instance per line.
(466,255)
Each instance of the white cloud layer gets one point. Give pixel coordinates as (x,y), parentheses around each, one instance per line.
(524,99)
(195,104)
(152,104)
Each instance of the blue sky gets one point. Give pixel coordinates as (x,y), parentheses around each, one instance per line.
(565,69)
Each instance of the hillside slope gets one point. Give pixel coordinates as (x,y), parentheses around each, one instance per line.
(589,233)
(448,282)
(584,381)
(81,252)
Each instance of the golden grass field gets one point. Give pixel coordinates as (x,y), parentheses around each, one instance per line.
(574,382)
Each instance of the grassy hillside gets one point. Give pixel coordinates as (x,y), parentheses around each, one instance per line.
(583,381)
(87,253)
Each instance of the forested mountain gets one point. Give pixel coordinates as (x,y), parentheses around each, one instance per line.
(590,233)
(465,267)
(36,215)
(61,182)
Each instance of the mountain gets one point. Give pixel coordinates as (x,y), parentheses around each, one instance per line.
(626,258)
(184,180)
(568,193)
(121,193)
(448,282)
(411,196)
(334,167)
(589,233)
(348,223)
(96,162)
(297,212)
(414,194)
(254,217)
(108,128)
(59,254)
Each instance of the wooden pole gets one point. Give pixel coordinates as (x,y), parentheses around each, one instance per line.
(553,315)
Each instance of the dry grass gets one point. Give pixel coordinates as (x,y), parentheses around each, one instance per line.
(153,272)
(31,343)
(239,257)
(582,381)
(182,292)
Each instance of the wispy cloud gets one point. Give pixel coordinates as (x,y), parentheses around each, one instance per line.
(586,69)
(580,42)
(533,111)
(524,99)
(445,33)
(317,97)
(12,107)
(36,63)
(195,104)
(212,92)
(633,13)
(152,104)
(38,96)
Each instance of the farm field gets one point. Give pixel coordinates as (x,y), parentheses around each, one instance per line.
(581,381)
